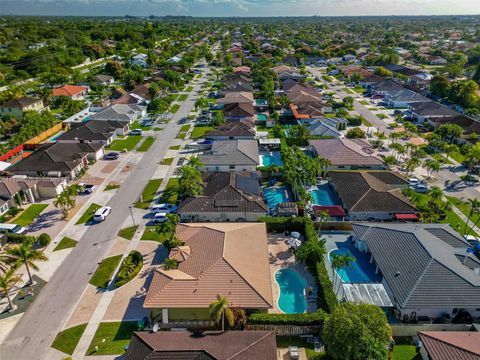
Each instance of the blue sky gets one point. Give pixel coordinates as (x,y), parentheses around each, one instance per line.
(240,7)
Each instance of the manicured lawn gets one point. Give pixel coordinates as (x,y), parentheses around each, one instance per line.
(330,115)
(111,186)
(175,108)
(359,89)
(286,341)
(366,122)
(185,128)
(381,116)
(148,193)
(170,194)
(67,340)
(116,334)
(128,232)
(151,234)
(29,215)
(189,89)
(65,243)
(348,91)
(364,102)
(105,270)
(128,143)
(200,131)
(174,147)
(404,349)
(88,215)
(464,208)
(136,125)
(167,161)
(183,97)
(146,144)
(458,157)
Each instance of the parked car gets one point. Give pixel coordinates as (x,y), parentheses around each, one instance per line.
(413,181)
(102,213)
(111,156)
(12,229)
(420,188)
(136,132)
(160,217)
(164,208)
(87,188)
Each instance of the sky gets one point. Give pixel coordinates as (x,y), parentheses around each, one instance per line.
(239,7)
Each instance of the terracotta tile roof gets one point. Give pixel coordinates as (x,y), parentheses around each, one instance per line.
(230,259)
(451,345)
(209,345)
(68,90)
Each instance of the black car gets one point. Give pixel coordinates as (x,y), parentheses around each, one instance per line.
(111,156)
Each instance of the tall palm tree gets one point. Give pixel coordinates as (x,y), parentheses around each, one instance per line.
(336,263)
(63,202)
(412,164)
(324,164)
(474,208)
(311,252)
(324,215)
(7,281)
(190,181)
(26,255)
(435,193)
(431,165)
(220,311)
(346,261)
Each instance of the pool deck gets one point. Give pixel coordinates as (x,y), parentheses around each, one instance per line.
(281,257)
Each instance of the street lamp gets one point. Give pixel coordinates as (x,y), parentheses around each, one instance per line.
(131,214)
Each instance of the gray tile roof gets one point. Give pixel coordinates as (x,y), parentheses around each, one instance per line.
(93,130)
(421,269)
(232,152)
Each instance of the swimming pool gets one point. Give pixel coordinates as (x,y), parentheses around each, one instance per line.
(276,195)
(291,299)
(353,274)
(271,158)
(323,195)
(262,117)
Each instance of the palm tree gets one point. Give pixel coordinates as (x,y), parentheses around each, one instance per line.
(412,164)
(324,164)
(346,261)
(431,165)
(190,181)
(336,263)
(390,160)
(311,252)
(26,255)
(435,193)
(220,310)
(195,162)
(170,264)
(201,103)
(474,208)
(7,281)
(450,148)
(324,215)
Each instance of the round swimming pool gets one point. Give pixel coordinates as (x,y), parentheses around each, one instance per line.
(291,299)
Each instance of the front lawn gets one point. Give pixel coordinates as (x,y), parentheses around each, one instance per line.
(174,147)
(65,243)
(148,193)
(151,234)
(364,102)
(66,341)
(111,186)
(200,131)
(104,272)
(348,91)
(458,157)
(88,215)
(146,144)
(183,97)
(174,108)
(112,337)
(167,161)
(170,194)
(464,208)
(128,232)
(405,349)
(127,143)
(381,116)
(189,89)
(29,215)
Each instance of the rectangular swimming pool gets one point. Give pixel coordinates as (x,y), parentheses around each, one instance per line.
(360,271)
(323,195)
(271,158)
(276,195)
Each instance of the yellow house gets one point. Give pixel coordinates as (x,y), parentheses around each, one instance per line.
(16,107)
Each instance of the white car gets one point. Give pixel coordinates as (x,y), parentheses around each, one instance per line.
(136,132)
(413,181)
(160,217)
(164,208)
(102,213)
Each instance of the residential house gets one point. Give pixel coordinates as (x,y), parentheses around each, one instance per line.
(437,60)
(234,196)
(95,131)
(242,70)
(319,128)
(121,112)
(58,160)
(346,154)
(209,345)
(231,155)
(240,97)
(385,87)
(426,269)
(17,106)
(104,79)
(449,345)
(348,58)
(403,98)
(231,131)
(372,195)
(140,60)
(74,92)
(238,111)
(423,111)
(227,259)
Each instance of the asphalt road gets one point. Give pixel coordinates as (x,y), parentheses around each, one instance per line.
(37,329)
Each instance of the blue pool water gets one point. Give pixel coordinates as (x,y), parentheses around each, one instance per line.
(291,299)
(262,117)
(56,136)
(271,158)
(276,195)
(354,274)
(323,195)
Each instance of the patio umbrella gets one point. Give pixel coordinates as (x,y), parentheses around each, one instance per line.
(294,243)
(296,235)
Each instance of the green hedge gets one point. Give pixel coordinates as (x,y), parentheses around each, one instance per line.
(19,238)
(315,318)
(326,297)
(129,268)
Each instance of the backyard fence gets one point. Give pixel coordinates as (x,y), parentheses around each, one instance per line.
(413,329)
(286,330)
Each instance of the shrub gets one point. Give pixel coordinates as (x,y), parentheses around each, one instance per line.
(326,297)
(19,238)
(315,318)
(129,268)
(356,133)
(44,239)
(354,121)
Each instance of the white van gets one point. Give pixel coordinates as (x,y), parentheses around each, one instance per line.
(12,228)
(102,213)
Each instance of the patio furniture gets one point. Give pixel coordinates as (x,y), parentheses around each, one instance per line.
(293,352)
